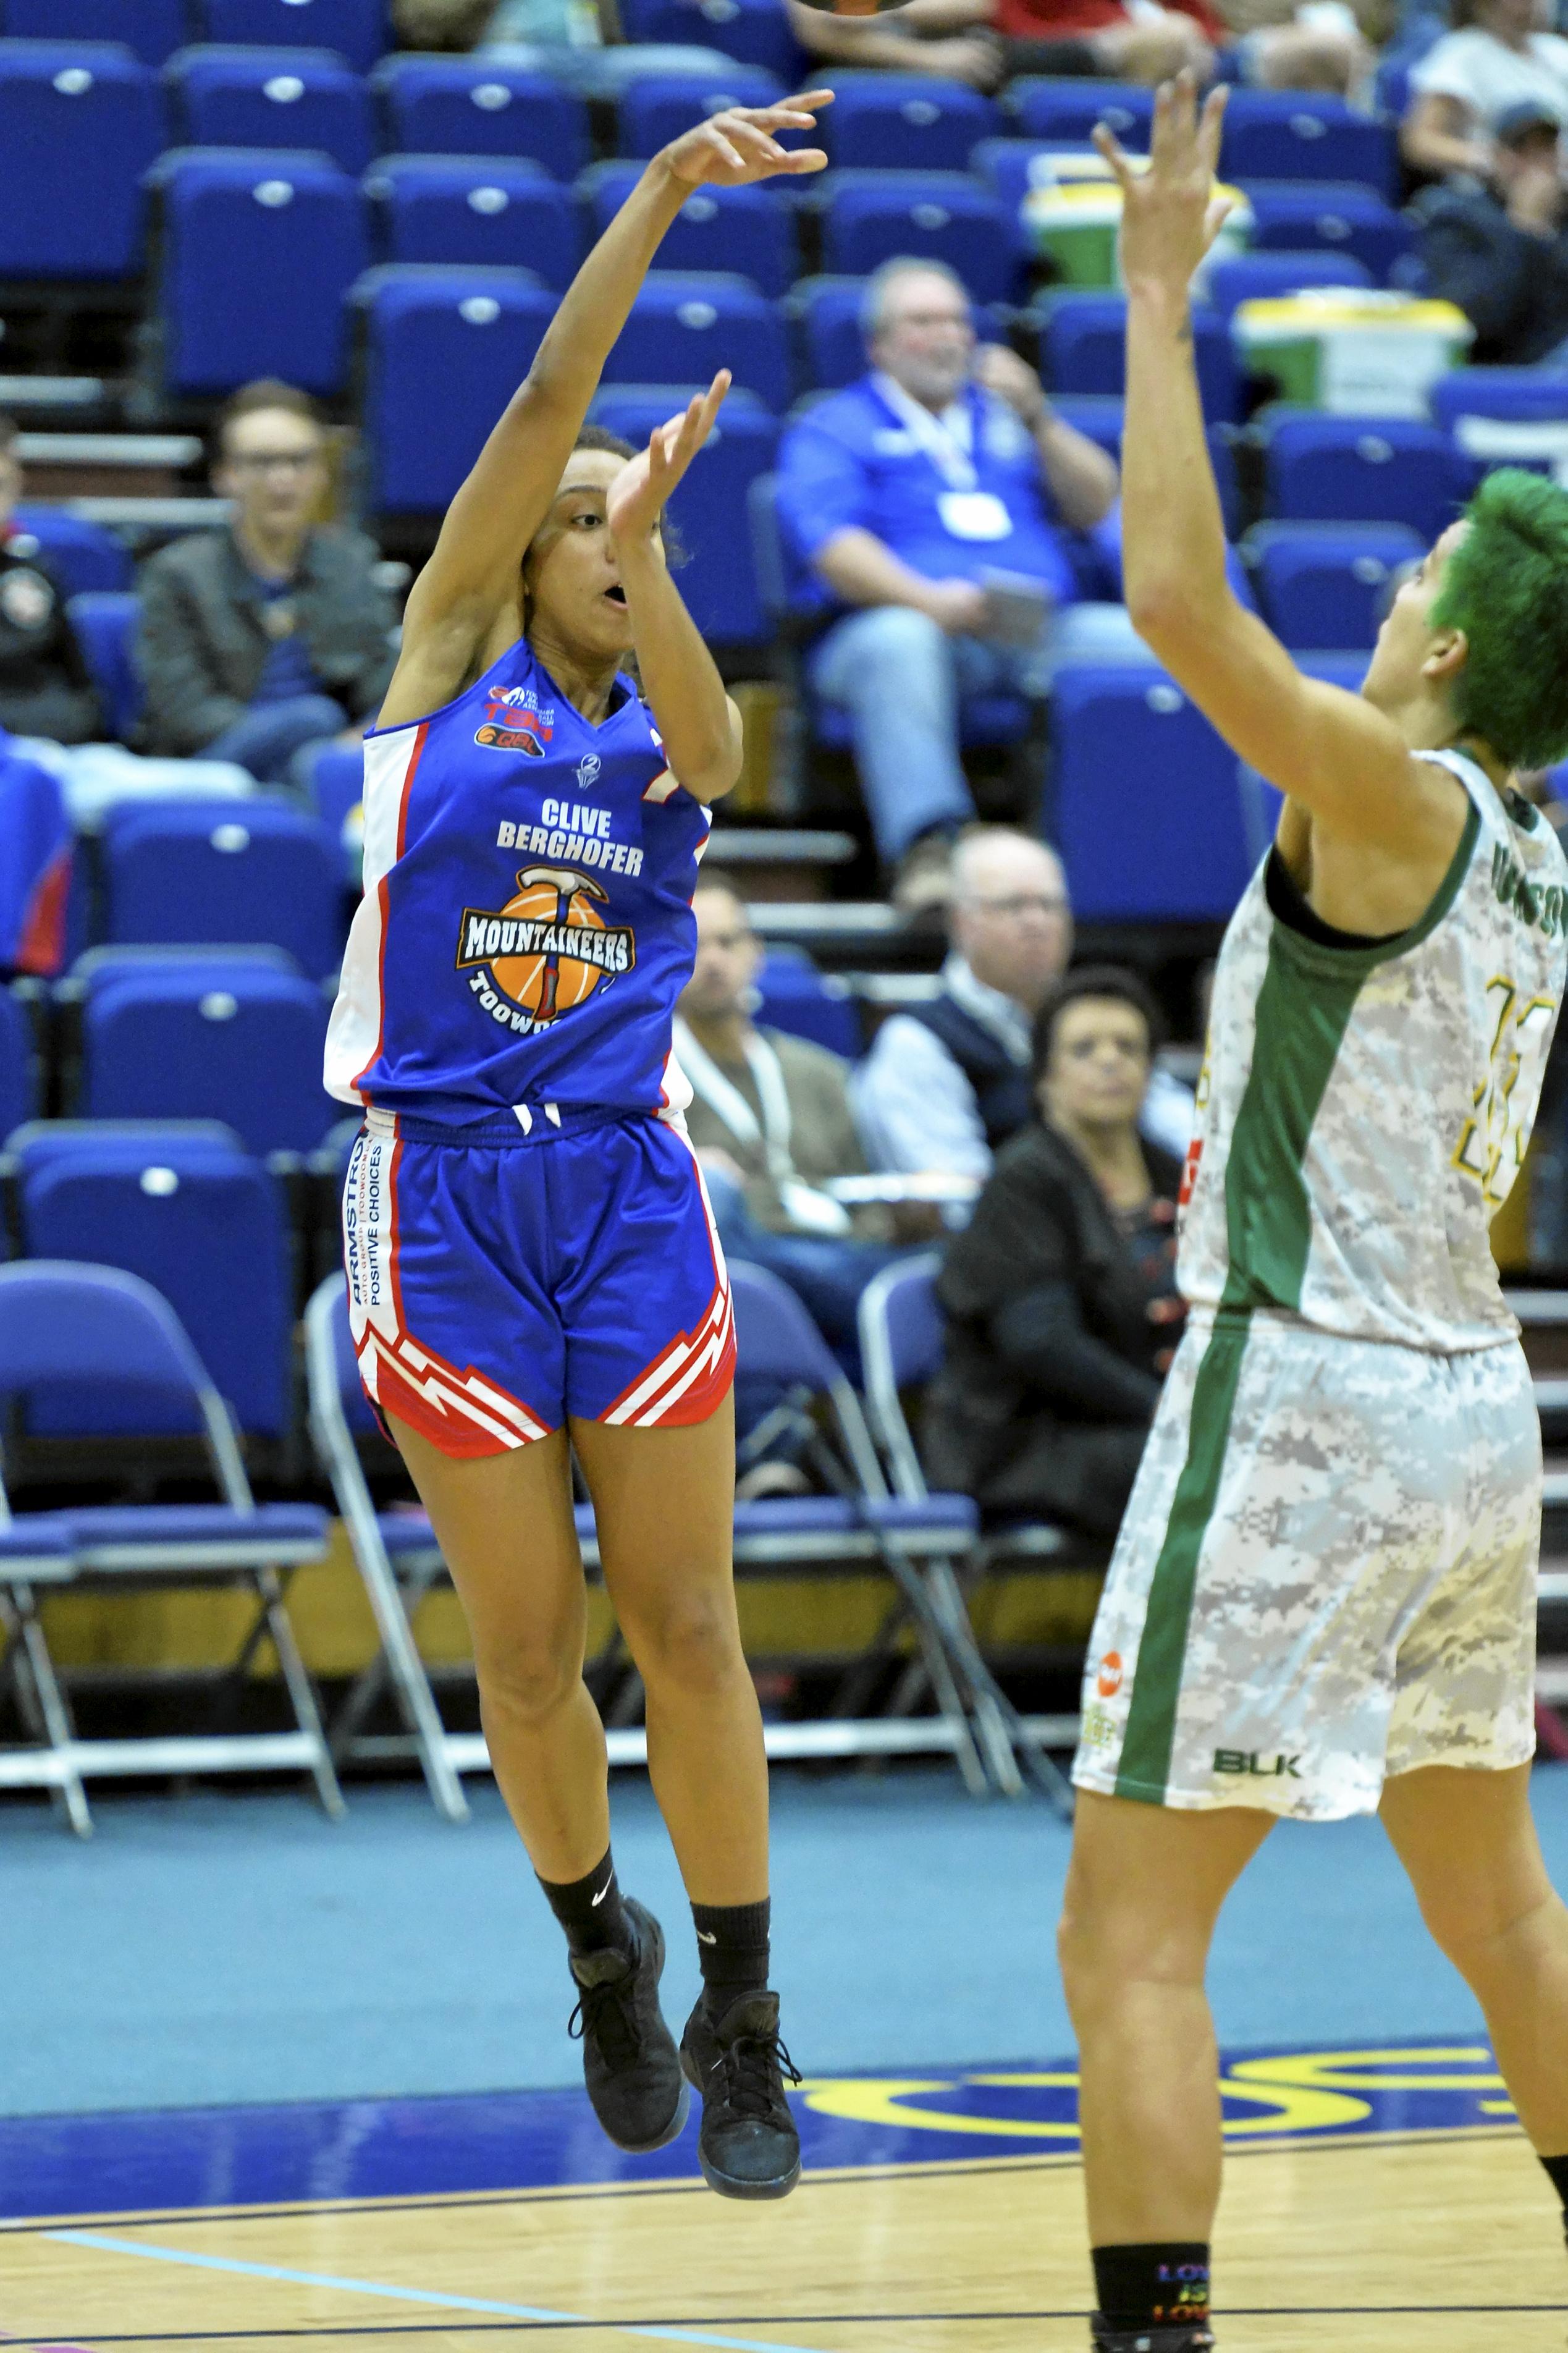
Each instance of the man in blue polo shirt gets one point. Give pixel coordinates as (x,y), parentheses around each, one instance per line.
(934,499)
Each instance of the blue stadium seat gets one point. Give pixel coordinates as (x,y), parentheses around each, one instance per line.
(105,625)
(1263,276)
(198,872)
(1327,584)
(80,123)
(193,1034)
(1289,134)
(18,1063)
(1522,395)
(748,230)
(686,325)
(444,350)
(259,250)
(1083,349)
(752,32)
(810,1004)
(1101,415)
(1065,112)
(1345,219)
(1361,470)
(273,97)
(895,122)
(482,211)
(718,583)
(869,216)
(482,106)
(1006,168)
(151,29)
(658,107)
(188,1210)
(78,554)
(357,29)
(1148,813)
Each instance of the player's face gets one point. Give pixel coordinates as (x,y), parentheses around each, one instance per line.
(728,954)
(1394,678)
(572,571)
(1099,1069)
(926,341)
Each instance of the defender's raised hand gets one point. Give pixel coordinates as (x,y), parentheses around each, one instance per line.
(636,497)
(1170,214)
(738,146)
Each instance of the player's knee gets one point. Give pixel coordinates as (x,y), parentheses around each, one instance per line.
(689,1645)
(530,1680)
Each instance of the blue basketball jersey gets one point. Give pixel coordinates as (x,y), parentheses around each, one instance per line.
(526,925)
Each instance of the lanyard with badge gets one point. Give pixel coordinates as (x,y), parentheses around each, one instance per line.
(966,510)
(809,1211)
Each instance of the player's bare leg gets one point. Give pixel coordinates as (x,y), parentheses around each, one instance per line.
(504,1525)
(663,1500)
(1468,1841)
(1144,1892)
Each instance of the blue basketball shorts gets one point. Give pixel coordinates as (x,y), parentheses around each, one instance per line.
(499,1283)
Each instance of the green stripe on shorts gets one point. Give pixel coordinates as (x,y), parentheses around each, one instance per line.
(1145,1765)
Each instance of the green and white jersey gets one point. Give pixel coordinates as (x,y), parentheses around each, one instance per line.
(1363,1112)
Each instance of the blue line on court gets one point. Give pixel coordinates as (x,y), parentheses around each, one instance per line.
(353,2151)
(102,2243)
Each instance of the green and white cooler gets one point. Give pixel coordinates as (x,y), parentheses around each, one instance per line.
(1072,213)
(1356,350)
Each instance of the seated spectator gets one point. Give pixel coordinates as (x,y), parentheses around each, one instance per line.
(916,495)
(1501,250)
(1060,1294)
(265,639)
(1494,60)
(45,688)
(35,855)
(947,1082)
(771,1122)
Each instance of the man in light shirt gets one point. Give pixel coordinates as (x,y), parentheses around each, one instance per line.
(948,1081)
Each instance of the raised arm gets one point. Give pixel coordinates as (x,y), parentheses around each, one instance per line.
(509,492)
(1337,755)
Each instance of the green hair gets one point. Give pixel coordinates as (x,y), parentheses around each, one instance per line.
(1506,586)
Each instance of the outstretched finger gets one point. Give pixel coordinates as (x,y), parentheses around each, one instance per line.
(1211,124)
(1116,155)
(753,142)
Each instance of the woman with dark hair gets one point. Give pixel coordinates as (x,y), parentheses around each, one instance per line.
(532,1265)
(1060,1293)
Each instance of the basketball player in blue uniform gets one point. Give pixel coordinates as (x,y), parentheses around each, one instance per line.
(532,1264)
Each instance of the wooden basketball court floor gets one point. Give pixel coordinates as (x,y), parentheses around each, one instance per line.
(1377,2201)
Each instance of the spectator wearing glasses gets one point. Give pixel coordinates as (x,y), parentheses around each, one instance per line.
(263,641)
(936,503)
(1061,1292)
(948,1081)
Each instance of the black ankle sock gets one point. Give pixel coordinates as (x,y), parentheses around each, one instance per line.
(590,1909)
(732,1946)
(1557,2173)
(1162,2285)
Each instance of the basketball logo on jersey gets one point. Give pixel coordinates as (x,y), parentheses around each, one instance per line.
(545,952)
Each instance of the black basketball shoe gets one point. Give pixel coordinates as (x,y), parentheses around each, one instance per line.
(748,2147)
(1184,2337)
(630,2062)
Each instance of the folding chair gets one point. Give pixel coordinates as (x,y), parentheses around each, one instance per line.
(914,1538)
(901,1347)
(68,1325)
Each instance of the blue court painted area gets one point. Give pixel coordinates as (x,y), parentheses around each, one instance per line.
(341,2152)
(212,1950)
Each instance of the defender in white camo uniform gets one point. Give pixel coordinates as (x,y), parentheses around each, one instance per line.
(1324,1596)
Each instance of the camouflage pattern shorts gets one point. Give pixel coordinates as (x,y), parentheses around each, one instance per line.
(1326,1574)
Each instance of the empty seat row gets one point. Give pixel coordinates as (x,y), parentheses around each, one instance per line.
(153,30)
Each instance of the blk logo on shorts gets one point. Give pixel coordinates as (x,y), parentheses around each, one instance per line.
(1254,1766)
(545,952)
